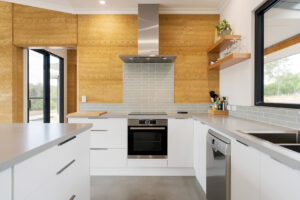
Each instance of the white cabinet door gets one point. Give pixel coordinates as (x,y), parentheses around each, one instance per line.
(278,181)
(108,158)
(180,143)
(197,149)
(106,133)
(6,184)
(245,172)
(202,160)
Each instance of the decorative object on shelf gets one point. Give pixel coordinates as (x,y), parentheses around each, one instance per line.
(224,28)
(227,51)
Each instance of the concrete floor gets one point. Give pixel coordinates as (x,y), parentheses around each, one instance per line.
(145,188)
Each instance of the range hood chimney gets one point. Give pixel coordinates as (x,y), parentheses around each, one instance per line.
(148,38)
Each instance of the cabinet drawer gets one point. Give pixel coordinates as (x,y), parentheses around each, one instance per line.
(108,139)
(108,158)
(35,170)
(5,184)
(59,187)
(114,125)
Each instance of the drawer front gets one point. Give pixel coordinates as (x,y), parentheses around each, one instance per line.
(114,125)
(59,187)
(35,170)
(108,139)
(108,158)
(6,184)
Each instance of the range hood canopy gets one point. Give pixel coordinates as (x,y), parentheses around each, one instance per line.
(148,38)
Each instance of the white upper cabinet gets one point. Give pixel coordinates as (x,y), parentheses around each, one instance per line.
(278,181)
(180,142)
(245,172)
(6,184)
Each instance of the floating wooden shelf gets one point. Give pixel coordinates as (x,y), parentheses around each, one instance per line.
(223,43)
(230,60)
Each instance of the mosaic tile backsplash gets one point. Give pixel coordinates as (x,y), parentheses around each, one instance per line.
(289,118)
(147,87)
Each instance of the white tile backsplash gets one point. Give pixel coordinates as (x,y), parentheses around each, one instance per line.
(147,87)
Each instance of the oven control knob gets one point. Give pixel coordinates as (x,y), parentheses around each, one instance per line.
(147,122)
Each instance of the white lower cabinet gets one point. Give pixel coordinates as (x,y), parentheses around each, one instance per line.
(180,143)
(108,142)
(6,184)
(201,175)
(245,172)
(60,173)
(278,181)
(103,158)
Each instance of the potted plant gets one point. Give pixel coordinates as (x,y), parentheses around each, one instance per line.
(224,28)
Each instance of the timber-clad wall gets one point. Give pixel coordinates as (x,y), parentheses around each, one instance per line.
(100,39)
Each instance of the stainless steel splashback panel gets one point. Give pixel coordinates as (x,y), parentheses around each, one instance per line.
(148,29)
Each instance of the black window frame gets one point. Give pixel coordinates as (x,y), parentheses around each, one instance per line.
(259,57)
(46,98)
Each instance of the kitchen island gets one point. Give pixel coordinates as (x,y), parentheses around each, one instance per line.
(40,161)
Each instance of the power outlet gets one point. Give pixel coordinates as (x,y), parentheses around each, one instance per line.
(83,99)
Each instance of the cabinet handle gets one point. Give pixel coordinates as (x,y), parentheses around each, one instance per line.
(95,130)
(68,140)
(98,149)
(65,167)
(73,197)
(202,123)
(147,128)
(242,143)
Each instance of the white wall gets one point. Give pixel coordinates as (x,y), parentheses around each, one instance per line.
(237,82)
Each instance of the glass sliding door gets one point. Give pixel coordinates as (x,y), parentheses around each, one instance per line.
(36,87)
(45,87)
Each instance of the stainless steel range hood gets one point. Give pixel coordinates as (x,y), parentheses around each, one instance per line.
(148,38)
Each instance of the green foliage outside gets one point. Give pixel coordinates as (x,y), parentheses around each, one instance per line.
(36,90)
(281,80)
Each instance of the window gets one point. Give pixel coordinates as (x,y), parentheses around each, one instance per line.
(277,54)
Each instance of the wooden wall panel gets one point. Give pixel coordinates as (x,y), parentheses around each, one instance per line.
(101,39)
(71,81)
(17,88)
(6,65)
(41,27)
(189,37)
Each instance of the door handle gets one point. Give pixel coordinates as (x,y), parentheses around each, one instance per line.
(73,197)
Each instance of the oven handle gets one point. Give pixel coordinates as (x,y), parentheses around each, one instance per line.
(147,128)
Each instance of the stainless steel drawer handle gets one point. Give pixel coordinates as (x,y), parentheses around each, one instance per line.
(95,130)
(65,167)
(66,141)
(99,149)
(73,197)
(147,128)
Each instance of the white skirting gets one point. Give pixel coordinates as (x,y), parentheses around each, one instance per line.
(128,171)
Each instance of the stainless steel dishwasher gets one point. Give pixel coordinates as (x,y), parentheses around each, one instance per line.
(218,167)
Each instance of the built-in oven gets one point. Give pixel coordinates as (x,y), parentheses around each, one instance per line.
(147,138)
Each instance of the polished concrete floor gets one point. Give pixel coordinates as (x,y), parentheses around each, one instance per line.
(145,188)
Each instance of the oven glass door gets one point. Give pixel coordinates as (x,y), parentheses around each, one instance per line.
(147,141)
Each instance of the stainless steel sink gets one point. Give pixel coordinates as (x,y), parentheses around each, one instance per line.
(279,138)
(293,147)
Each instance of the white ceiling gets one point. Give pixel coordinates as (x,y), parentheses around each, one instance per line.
(126,6)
